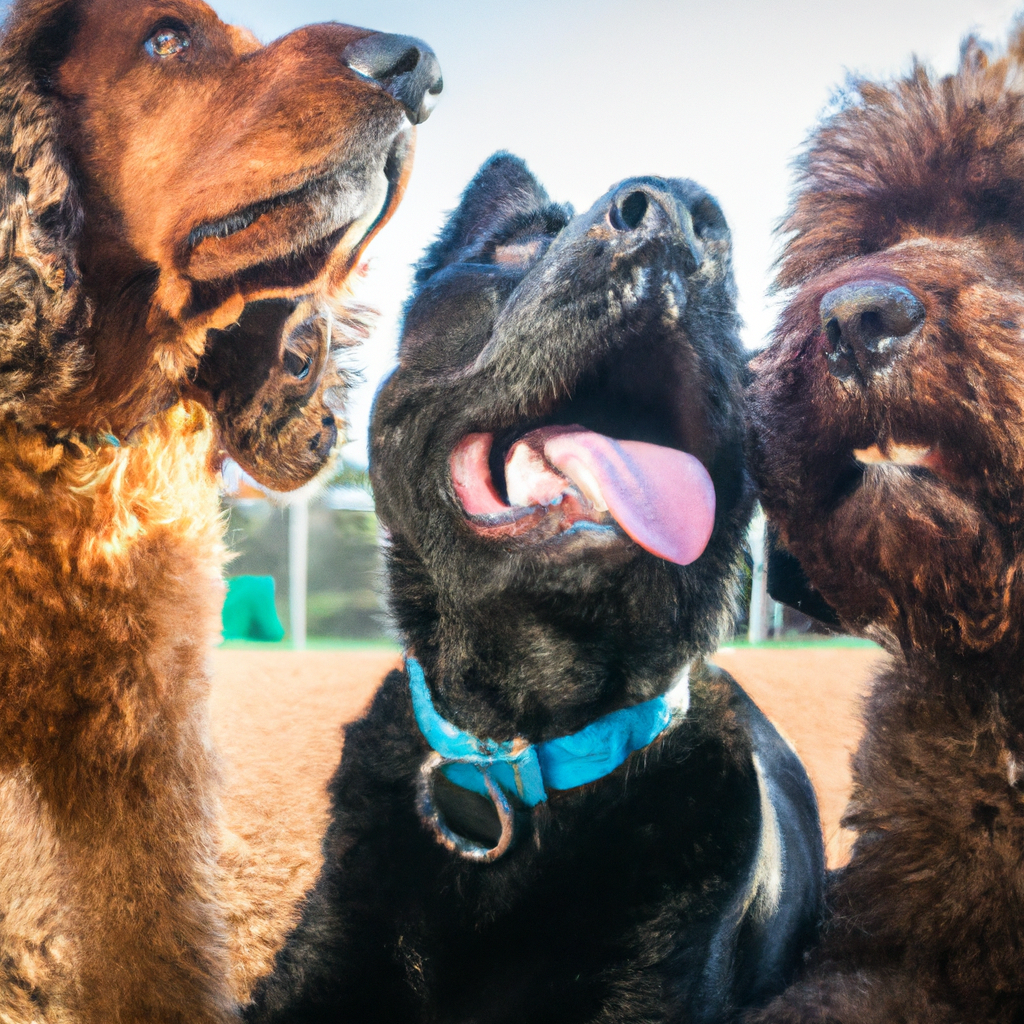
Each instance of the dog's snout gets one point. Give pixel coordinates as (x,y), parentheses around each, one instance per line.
(405,67)
(644,212)
(867,325)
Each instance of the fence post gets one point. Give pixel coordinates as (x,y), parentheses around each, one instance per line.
(298,560)
(757,631)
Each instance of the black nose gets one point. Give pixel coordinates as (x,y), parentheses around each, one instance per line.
(405,67)
(646,211)
(867,325)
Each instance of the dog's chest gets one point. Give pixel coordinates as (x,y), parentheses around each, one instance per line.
(38,948)
(644,864)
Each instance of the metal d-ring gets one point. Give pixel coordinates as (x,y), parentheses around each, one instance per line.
(460,844)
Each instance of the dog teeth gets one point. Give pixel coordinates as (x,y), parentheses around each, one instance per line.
(869,456)
(529,480)
(894,455)
(909,455)
(588,486)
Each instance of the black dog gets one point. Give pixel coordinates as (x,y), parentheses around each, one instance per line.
(601,827)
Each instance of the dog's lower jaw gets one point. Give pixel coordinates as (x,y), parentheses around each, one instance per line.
(108,606)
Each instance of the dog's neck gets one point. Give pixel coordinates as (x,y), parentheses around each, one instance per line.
(139,367)
(536,697)
(512,669)
(980,684)
(100,467)
(80,529)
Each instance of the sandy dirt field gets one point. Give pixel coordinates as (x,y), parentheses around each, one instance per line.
(277,718)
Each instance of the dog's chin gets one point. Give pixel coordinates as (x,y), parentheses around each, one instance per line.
(565,532)
(286,463)
(904,471)
(884,508)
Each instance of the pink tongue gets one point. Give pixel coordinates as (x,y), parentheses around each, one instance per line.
(663,498)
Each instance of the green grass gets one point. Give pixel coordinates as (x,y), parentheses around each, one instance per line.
(312,644)
(800,643)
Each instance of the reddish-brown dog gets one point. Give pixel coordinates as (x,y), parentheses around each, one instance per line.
(889,441)
(158,171)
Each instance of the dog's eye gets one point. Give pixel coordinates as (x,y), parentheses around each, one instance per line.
(298,366)
(167,42)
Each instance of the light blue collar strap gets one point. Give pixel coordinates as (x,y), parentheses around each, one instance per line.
(528,770)
(513,765)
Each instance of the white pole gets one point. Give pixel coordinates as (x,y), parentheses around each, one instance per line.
(758,630)
(298,560)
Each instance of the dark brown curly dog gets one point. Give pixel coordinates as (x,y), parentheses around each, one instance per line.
(276,388)
(158,170)
(889,423)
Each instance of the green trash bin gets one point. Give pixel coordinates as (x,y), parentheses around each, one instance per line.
(249,611)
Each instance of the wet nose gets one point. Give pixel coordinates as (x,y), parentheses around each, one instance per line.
(867,325)
(644,211)
(405,67)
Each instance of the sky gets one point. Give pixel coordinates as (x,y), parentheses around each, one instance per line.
(721,91)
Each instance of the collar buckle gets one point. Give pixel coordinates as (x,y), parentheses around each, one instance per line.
(434,819)
(495,769)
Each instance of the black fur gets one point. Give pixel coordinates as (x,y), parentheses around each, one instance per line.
(637,897)
(788,583)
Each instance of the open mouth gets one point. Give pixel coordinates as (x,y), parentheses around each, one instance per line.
(889,460)
(246,217)
(314,209)
(550,480)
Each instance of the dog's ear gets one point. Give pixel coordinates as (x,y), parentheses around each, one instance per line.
(503,189)
(276,389)
(788,583)
(43,311)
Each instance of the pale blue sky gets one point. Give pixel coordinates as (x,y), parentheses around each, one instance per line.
(721,91)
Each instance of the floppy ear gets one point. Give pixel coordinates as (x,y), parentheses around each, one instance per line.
(276,388)
(788,584)
(43,312)
(503,188)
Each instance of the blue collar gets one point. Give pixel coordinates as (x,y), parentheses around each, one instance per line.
(529,770)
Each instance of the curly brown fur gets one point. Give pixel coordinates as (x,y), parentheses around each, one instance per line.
(122,249)
(911,199)
(276,388)
(44,311)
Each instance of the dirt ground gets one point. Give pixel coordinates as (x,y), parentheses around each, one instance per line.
(277,717)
